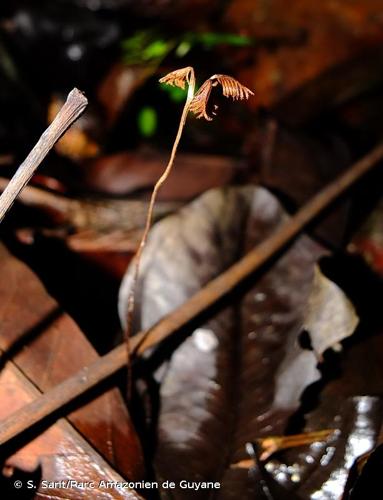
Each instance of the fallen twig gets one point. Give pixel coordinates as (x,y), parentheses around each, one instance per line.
(107,365)
(75,104)
(271,444)
(103,215)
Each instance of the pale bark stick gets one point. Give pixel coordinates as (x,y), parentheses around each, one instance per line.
(73,107)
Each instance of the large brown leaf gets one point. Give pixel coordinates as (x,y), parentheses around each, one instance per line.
(61,452)
(48,347)
(240,375)
(124,173)
(314,37)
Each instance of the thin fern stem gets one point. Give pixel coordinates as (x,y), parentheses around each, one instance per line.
(148,223)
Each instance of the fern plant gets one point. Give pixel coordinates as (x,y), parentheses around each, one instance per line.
(196,102)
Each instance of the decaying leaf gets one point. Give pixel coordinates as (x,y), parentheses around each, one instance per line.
(61,452)
(309,39)
(125,173)
(48,347)
(239,376)
(330,317)
(89,225)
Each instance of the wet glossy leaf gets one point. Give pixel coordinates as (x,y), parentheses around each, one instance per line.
(320,471)
(367,476)
(240,375)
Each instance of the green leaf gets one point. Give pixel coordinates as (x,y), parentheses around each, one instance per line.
(148,46)
(145,46)
(156,50)
(147,121)
(183,48)
(210,40)
(176,94)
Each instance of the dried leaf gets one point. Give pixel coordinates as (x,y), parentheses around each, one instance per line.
(330,317)
(339,88)
(230,88)
(35,332)
(200,100)
(61,452)
(302,43)
(124,173)
(178,78)
(90,214)
(239,377)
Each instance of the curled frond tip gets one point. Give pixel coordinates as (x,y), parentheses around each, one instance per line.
(199,103)
(230,88)
(179,77)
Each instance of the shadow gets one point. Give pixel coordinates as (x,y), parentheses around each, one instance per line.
(30,335)
(20,485)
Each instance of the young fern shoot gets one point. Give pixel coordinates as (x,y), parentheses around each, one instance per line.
(196,103)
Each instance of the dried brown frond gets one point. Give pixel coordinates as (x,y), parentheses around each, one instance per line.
(231,87)
(199,102)
(179,77)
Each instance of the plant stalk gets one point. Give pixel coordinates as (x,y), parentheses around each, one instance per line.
(148,223)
